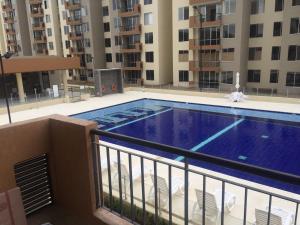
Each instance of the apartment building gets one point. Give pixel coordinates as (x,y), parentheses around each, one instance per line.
(82,35)
(138,38)
(214,39)
(15,27)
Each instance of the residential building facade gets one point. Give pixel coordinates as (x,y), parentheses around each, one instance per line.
(214,39)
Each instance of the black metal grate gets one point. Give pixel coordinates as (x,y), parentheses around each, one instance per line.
(32,176)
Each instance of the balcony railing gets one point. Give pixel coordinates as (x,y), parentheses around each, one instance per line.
(204,2)
(9,19)
(69,5)
(131,48)
(10,31)
(200,22)
(130,30)
(133,66)
(73,21)
(42,51)
(40,39)
(135,11)
(195,44)
(37,13)
(198,65)
(147,189)
(75,36)
(38,26)
(11,42)
(76,51)
(35,2)
(6,7)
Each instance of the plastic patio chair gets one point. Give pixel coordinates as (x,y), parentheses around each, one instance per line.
(278,216)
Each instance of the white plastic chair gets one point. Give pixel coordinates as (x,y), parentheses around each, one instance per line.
(278,216)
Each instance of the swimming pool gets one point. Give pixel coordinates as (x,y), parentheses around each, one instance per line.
(262,138)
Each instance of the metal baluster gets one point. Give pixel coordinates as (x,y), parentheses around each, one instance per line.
(270,207)
(245,206)
(296,215)
(120,183)
(170,195)
(223,203)
(155,192)
(143,190)
(99,176)
(109,177)
(186,191)
(203,200)
(131,185)
(96,170)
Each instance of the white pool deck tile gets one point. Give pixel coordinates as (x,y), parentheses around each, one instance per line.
(256,200)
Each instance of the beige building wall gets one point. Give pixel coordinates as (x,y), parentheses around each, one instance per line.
(2,40)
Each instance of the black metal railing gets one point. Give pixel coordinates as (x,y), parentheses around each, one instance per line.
(107,157)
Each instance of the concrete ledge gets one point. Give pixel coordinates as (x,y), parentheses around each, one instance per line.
(110,218)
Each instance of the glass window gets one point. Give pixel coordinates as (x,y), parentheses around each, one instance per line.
(209,36)
(117,22)
(108,57)
(255,53)
(257,6)
(106,27)
(149,38)
(107,42)
(147,2)
(277,29)
(148,18)
(149,74)
(87,43)
(105,11)
(293,79)
(116,4)
(274,76)
(275,53)
(254,76)
(294,53)
(51,47)
(119,57)
(229,31)
(183,13)
(228,54)
(49,32)
(183,76)
(227,77)
(229,7)
(118,41)
(295,26)
(48,19)
(256,30)
(279,4)
(183,56)
(149,57)
(183,35)
(295,2)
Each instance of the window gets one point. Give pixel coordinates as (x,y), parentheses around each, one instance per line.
(255,53)
(147,2)
(67,43)
(257,6)
(116,4)
(183,76)
(295,26)
(275,53)
(277,29)
(87,43)
(295,2)
(149,74)
(106,27)
(49,32)
(118,41)
(51,47)
(279,4)
(119,57)
(88,58)
(66,29)
(149,57)
(229,7)
(227,77)
(45,4)
(48,19)
(293,79)
(183,13)
(228,54)
(229,31)
(64,15)
(105,11)
(85,27)
(210,36)
(149,38)
(183,35)
(108,57)
(274,76)
(256,30)
(148,18)
(254,76)
(294,53)
(183,56)
(117,23)
(107,42)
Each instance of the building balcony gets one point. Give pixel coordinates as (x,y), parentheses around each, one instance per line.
(195,45)
(75,36)
(9,19)
(137,47)
(131,30)
(133,66)
(6,7)
(37,13)
(72,5)
(197,66)
(42,51)
(40,40)
(10,31)
(76,51)
(11,43)
(35,2)
(135,11)
(196,23)
(73,21)
(38,26)
(204,2)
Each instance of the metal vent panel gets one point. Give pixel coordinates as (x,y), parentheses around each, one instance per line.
(33,178)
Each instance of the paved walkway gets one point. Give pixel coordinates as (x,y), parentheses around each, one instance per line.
(95,103)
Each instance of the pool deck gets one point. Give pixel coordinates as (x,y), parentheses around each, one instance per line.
(97,102)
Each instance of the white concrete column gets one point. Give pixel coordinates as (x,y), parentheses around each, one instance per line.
(20,87)
(65,83)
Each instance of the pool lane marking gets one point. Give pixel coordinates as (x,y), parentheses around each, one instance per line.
(211,138)
(143,118)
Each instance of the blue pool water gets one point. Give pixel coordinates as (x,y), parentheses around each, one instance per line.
(261,138)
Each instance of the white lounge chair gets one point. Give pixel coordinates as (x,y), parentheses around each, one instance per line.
(163,189)
(104,164)
(278,217)
(213,205)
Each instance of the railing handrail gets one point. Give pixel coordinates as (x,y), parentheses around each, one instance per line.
(255,170)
